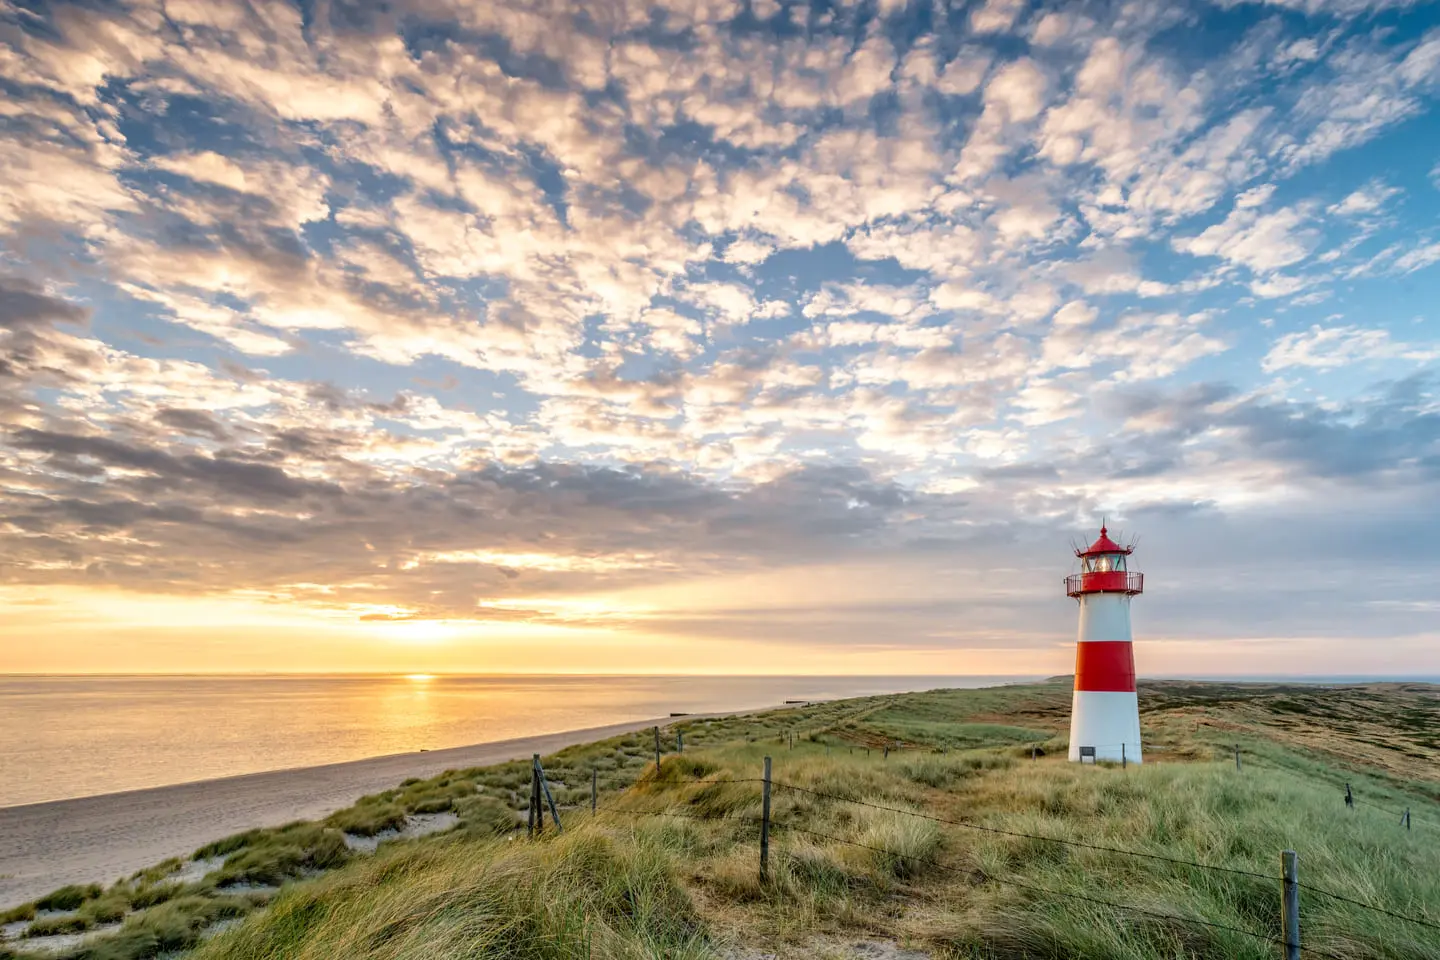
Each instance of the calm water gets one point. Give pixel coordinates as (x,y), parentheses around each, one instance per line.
(76,736)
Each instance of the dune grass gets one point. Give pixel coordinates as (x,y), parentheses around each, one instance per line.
(695,881)
(669,866)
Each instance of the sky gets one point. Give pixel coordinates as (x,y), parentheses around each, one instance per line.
(736,336)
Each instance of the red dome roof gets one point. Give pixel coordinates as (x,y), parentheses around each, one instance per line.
(1103,545)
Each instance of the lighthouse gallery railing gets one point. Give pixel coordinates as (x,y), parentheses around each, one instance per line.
(1109,581)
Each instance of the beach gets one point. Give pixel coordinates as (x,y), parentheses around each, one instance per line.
(102,838)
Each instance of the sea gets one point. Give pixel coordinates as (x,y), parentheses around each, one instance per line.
(76,736)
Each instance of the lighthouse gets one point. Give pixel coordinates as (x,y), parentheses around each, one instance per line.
(1105,714)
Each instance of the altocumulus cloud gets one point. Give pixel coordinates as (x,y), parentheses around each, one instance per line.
(439,310)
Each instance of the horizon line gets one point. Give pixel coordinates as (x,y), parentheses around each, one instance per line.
(436,674)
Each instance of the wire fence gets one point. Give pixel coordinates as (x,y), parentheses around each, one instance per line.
(766,823)
(1057,894)
(981,876)
(1138,854)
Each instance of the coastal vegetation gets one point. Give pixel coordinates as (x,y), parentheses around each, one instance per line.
(947,822)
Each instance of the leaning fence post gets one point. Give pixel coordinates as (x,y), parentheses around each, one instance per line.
(765,824)
(537,818)
(545,789)
(1349,797)
(1237,756)
(1406,818)
(1290,901)
(594,789)
(657,751)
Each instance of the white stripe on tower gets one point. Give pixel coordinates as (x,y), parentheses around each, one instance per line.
(1105,711)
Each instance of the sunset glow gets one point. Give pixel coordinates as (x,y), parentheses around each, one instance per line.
(732,337)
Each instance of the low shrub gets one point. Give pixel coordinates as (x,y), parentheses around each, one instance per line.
(368,819)
(50,926)
(26,911)
(154,895)
(285,854)
(486,816)
(69,897)
(108,908)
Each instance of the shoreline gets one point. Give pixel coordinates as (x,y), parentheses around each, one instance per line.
(104,837)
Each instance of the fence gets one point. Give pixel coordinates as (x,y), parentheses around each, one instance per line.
(1289,892)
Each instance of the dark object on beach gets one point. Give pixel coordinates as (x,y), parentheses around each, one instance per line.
(676,714)
(790,702)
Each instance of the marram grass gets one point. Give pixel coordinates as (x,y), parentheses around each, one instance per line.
(669,867)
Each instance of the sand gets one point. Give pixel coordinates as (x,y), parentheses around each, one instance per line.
(101,839)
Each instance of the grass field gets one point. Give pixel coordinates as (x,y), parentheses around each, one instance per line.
(669,866)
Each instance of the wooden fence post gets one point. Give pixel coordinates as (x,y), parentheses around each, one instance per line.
(1406,818)
(1349,797)
(1237,756)
(657,751)
(679,742)
(545,789)
(537,817)
(887,750)
(1033,750)
(594,789)
(1290,900)
(765,824)
(1122,757)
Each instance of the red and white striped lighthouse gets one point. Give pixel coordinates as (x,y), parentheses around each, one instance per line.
(1105,713)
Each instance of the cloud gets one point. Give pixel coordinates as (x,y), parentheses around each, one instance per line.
(996,16)
(1370,198)
(1418,258)
(1263,242)
(1326,348)
(26,306)
(1366,88)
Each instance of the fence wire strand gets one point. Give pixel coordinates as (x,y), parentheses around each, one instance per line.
(986,877)
(1369,906)
(1027,836)
(615,811)
(675,783)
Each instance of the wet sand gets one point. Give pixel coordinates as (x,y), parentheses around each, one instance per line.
(103,838)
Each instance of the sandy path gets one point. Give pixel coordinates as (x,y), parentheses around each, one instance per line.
(100,839)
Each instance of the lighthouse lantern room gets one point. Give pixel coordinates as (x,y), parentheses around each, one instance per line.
(1105,713)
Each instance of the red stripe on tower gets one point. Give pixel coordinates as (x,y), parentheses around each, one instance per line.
(1105,665)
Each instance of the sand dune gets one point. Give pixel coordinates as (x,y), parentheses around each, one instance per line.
(100,839)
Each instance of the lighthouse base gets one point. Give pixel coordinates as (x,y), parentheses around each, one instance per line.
(1105,720)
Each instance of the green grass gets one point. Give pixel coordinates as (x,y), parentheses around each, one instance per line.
(68,898)
(369,817)
(656,874)
(585,895)
(940,886)
(271,857)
